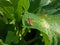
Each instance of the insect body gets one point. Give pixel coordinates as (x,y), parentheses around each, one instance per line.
(30,21)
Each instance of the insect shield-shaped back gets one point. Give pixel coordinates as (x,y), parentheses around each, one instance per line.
(30,21)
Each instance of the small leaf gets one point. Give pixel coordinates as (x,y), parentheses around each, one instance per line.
(22,5)
(45,2)
(11,37)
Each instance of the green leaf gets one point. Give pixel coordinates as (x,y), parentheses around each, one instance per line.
(44,2)
(34,6)
(48,11)
(7,13)
(3,18)
(54,23)
(5,3)
(58,39)
(11,37)
(40,24)
(55,39)
(7,9)
(54,6)
(25,4)
(22,6)
(1,42)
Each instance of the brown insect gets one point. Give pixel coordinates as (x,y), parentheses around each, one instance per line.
(45,15)
(30,21)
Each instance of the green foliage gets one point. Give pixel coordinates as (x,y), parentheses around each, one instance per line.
(29,22)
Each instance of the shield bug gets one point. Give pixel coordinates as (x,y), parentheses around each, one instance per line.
(30,21)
